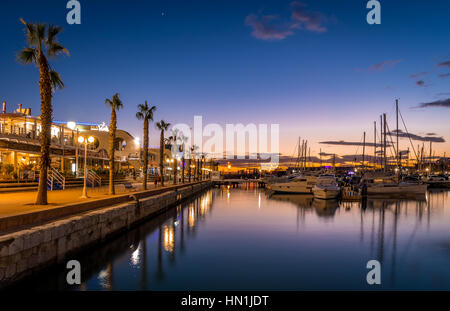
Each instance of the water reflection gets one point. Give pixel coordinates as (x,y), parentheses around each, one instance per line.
(244,238)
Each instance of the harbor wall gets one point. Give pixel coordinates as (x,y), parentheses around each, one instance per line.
(32,249)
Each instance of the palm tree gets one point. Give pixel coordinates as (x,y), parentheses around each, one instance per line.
(203,159)
(115,104)
(145,113)
(162,126)
(174,138)
(183,139)
(192,157)
(42,45)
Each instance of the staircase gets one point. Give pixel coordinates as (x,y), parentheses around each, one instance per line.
(93,179)
(55,180)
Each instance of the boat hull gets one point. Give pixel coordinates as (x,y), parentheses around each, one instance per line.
(397,189)
(291,188)
(438,184)
(326,194)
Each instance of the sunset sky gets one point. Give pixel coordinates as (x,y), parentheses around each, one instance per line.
(314,67)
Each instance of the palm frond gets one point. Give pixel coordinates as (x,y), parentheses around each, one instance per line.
(140,115)
(55,78)
(117,103)
(150,112)
(52,32)
(162,125)
(142,108)
(40,33)
(27,56)
(56,48)
(108,102)
(30,32)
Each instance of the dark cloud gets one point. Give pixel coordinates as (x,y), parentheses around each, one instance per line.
(444,64)
(438,103)
(347,143)
(384,64)
(417,137)
(305,19)
(264,27)
(420,83)
(269,27)
(324,154)
(444,75)
(416,75)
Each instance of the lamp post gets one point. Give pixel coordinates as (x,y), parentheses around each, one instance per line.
(85,140)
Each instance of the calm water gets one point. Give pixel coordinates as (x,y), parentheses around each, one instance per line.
(243,239)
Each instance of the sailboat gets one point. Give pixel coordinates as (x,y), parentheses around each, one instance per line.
(380,183)
(384,183)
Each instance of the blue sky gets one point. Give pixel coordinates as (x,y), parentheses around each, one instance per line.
(322,74)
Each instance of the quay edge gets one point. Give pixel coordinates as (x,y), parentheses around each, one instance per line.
(28,250)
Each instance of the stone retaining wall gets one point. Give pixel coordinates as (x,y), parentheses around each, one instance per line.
(28,250)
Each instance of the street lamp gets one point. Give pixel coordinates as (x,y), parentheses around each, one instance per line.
(84,140)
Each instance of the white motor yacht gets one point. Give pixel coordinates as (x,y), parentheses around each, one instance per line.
(299,184)
(326,187)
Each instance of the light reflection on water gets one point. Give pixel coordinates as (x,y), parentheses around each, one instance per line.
(244,239)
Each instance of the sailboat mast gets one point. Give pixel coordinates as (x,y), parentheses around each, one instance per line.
(375,145)
(309,157)
(407,159)
(384,142)
(320,156)
(381,140)
(398,150)
(431,148)
(421,157)
(306,150)
(364,150)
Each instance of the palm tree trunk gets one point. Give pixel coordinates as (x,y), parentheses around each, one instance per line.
(175,171)
(112,138)
(144,182)
(183,161)
(198,169)
(46,123)
(189,169)
(175,161)
(161,157)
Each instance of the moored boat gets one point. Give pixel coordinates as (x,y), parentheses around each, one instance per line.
(386,184)
(437,181)
(300,184)
(326,187)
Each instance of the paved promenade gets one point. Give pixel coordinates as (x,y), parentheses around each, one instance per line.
(17,203)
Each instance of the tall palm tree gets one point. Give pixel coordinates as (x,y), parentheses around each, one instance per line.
(192,157)
(174,138)
(203,159)
(145,113)
(115,104)
(42,45)
(183,140)
(162,126)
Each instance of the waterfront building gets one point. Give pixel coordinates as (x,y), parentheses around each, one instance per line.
(20,146)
